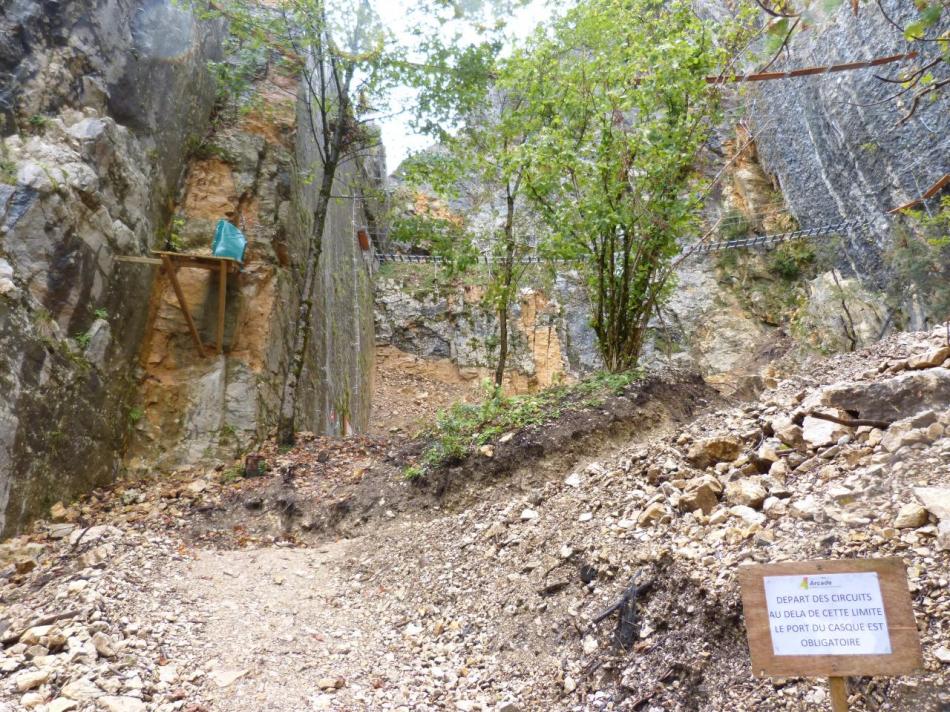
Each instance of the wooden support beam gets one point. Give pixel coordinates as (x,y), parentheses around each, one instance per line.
(173,276)
(839,693)
(222,295)
(139,260)
(928,194)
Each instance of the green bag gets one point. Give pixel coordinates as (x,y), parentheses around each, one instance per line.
(228,242)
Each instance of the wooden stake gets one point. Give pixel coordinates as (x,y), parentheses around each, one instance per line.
(839,693)
(222,295)
(173,276)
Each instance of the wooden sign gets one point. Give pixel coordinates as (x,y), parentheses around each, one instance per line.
(830,618)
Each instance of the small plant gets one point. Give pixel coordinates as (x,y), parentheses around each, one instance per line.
(38,122)
(82,340)
(101,313)
(7,170)
(734,225)
(136,414)
(464,427)
(174,241)
(231,475)
(227,432)
(790,260)
(201,149)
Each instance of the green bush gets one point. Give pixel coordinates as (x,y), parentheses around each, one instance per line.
(791,259)
(463,428)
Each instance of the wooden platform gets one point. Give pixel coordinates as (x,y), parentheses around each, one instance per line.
(172,262)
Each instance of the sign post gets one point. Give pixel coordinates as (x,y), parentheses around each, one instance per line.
(830,619)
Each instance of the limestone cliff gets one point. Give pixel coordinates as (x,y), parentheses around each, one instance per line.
(91,156)
(107,154)
(837,145)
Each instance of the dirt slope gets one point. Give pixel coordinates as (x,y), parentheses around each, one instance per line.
(487,602)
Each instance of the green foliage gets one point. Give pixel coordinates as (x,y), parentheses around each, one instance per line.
(734,225)
(463,428)
(618,96)
(245,62)
(82,340)
(100,313)
(231,475)
(38,122)
(920,259)
(772,285)
(7,170)
(136,414)
(440,236)
(173,239)
(202,148)
(791,259)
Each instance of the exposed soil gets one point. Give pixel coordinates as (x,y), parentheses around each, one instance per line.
(482,590)
(329,486)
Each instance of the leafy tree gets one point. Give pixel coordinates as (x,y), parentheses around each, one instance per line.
(481,130)
(348,61)
(920,260)
(619,110)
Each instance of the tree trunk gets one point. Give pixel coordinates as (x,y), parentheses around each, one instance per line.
(505,299)
(303,328)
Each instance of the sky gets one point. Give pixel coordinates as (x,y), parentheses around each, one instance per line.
(398,137)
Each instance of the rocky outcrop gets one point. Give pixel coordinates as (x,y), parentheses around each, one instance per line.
(337,391)
(107,154)
(443,321)
(211,409)
(834,142)
(91,157)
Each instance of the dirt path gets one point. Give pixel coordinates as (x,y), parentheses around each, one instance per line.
(274,624)
(487,603)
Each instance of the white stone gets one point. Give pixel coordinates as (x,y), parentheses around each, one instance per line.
(122,704)
(747,514)
(805,508)
(528,514)
(81,689)
(28,680)
(226,678)
(911,516)
(819,433)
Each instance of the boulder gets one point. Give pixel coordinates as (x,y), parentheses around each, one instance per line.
(746,492)
(701,493)
(893,398)
(709,451)
(936,500)
(930,359)
(651,515)
(911,516)
(819,433)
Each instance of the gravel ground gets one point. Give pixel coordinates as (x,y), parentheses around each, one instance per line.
(491,605)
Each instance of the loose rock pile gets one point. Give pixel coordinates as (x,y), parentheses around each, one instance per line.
(493,607)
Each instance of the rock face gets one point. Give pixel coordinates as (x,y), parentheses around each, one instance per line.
(834,145)
(336,394)
(98,155)
(438,322)
(106,109)
(893,398)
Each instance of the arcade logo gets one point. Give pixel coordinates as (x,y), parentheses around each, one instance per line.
(810,582)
